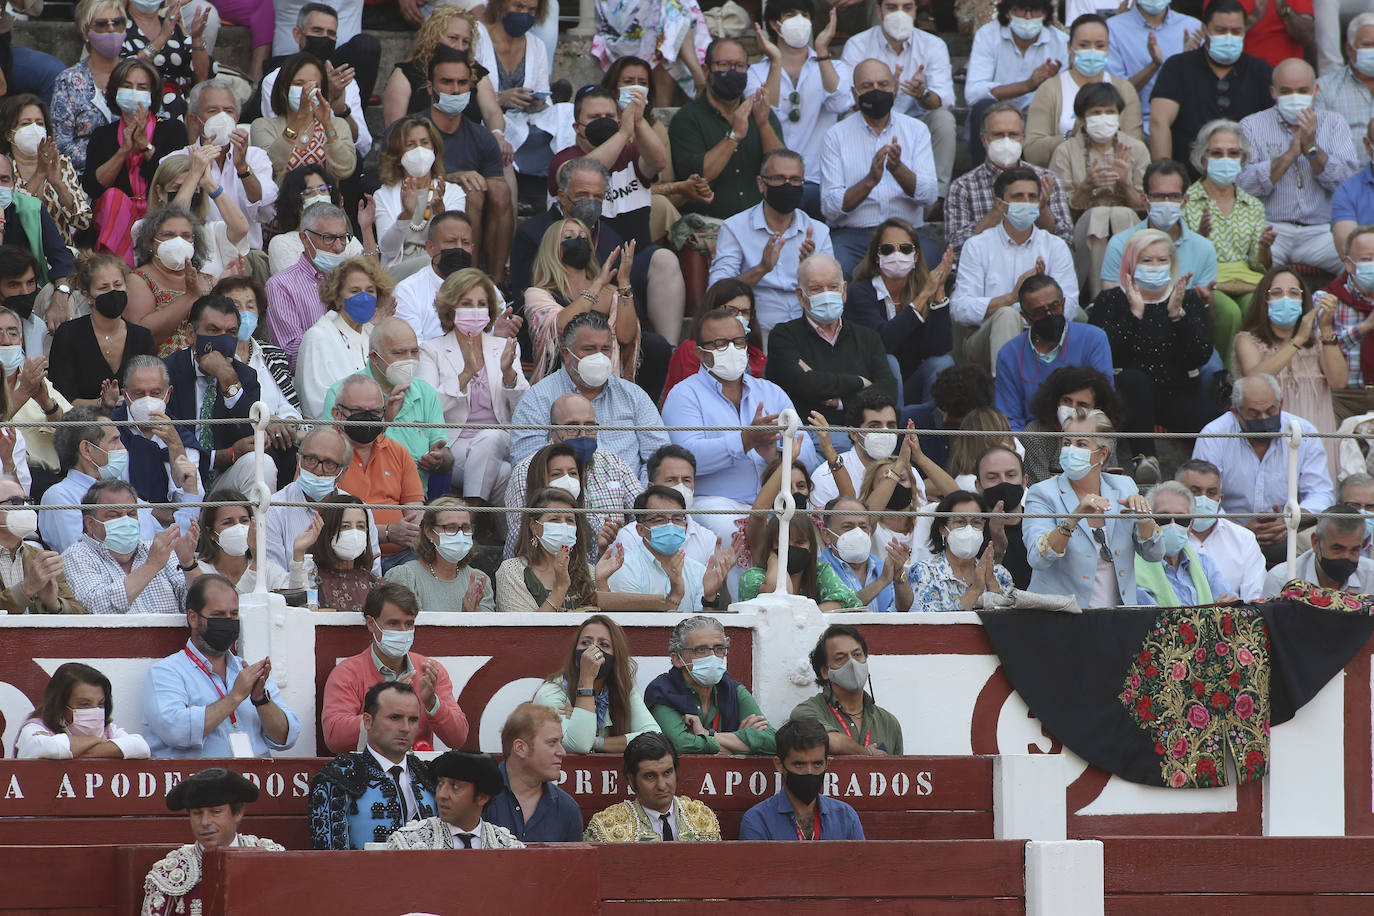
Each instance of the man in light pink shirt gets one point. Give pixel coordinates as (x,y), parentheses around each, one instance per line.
(389,613)
(293,295)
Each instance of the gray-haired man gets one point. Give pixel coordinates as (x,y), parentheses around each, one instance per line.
(1334,560)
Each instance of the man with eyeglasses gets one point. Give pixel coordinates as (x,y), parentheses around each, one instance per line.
(730,463)
(853,722)
(1184,578)
(723,134)
(1166,186)
(205,701)
(323,454)
(293,295)
(1049,342)
(33,578)
(657,574)
(163,458)
(764,245)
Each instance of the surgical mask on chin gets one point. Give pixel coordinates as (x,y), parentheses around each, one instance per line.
(1004,152)
(594,370)
(709,670)
(234,540)
(349,545)
(879,445)
(417,162)
(729,362)
(852,675)
(1202,504)
(965,542)
(568,484)
(395,643)
(141,411)
(87,723)
(853,546)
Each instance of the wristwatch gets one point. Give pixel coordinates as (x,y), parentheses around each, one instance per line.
(63,288)
(586,692)
(245,174)
(266,698)
(290,133)
(837,463)
(1311,153)
(232,390)
(731,135)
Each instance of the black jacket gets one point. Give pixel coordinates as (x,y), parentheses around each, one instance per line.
(812,371)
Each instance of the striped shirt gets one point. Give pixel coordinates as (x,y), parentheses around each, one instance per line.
(1342,92)
(1300,196)
(922,49)
(970,198)
(846,157)
(293,305)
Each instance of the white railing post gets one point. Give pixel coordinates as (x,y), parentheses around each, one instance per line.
(261,496)
(783,503)
(586,20)
(1292,511)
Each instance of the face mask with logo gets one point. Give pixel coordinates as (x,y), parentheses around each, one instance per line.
(852,675)
(827,306)
(87,723)
(470,322)
(22,523)
(1075,461)
(896,266)
(899,24)
(709,670)
(452,104)
(728,85)
(349,544)
(1063,413)
(568,484)
(1165,214)
(1291,105)
(1204,504)
(1007,493)
(879,444)
(1004,152)
(784,198)
(116,462)
(1027,29)
(876,103)
(453,547)
(234,540)
(315,486)
(1175,537)
(452,260)
(12,358)
(175,252)
(558,535)
(575,252)
(667,539)
(729,362)
(361,306)
(217,129)
(28,138)
(1225,49)
(594,370)
(394,643)
(326,261)
(223,344)
(417,162)
(1102,127)
(121,535)
(795,32)
(141,411)
(853,546)
(1022,215)
(1285,312)
(1152,276)
(599,130)
(402,372)
(1224,171)
(686,492)
(1089,61)
(965,542)
(1364,275)
(128,100)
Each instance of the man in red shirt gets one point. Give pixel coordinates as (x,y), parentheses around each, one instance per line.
(1278,29)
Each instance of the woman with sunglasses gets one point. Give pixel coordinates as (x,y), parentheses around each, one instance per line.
(896,295)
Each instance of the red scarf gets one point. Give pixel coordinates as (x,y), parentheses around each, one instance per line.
(1344,289)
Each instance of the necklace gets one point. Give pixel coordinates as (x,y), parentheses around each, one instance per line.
(435,574)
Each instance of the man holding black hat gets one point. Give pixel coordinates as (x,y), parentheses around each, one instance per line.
(214,800)
(466,782)
(656,813)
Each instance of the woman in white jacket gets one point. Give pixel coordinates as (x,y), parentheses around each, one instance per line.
(478,378)
(75,720)
(413,191)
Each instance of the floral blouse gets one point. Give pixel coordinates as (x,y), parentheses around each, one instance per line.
(69,222)
(828,583)
(1236,237)
(78,107)
(162,297)
(935,587)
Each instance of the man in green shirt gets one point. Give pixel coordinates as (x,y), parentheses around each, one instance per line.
(723,136)
(700,708)
(393,356)
(855,724)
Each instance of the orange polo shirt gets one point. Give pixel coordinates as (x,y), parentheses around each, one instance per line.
(389,477)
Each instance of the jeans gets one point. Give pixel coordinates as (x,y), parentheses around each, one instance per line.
(916,387)
(34,72)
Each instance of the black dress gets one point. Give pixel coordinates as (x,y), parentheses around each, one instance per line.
(168,136)
(77,368)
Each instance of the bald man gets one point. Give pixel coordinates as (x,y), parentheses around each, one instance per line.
(1299,155)
(393,356)
(874,167)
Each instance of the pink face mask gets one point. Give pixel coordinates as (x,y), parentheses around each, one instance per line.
(87,723)
(470,321)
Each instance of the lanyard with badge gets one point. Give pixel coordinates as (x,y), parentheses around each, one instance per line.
(816,829)
(239,743)
(839,718)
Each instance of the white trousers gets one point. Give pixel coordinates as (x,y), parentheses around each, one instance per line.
(480,463)
(1298,244)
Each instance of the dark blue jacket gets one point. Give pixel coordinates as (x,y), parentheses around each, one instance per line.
(906,336)
(147,462)
(183,404)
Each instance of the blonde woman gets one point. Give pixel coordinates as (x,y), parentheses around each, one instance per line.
(189,182)
(567,281)
(413,191)
(357,293)
(78,94)
(478,378)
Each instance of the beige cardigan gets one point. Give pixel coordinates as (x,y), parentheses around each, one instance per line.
(1042,119)
(340,158)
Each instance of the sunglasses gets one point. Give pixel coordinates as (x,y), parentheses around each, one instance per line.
(888,248)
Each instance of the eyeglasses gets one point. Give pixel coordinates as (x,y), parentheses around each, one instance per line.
(362,414)
(109,25)
(720,343)
(1052,308)
(720,651)
(314,463)
(887,248)
(330,238)
(16,501)
(727,67)
(451,530)
(777,181)
(676,518)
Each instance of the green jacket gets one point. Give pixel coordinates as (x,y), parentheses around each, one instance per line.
(759,741)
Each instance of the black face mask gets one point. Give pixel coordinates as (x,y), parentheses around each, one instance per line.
(1008,493)
(900,498)
(797,558)
(322,46)
(805,787)
(452,260)
(365,435)
(22,305)
(600,130)
(1262,428)
(575,252)
(783,198)
(876,103)
(799,499)
(220,633)
(586,211)
(607,670)
(1336,570)
(1049,328)
(111,304)
(728,86)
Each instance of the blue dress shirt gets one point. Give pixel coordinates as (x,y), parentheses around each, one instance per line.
(739,247)
(884,601)
(556,819)
(1128,50)
(61,528)
(1196,255)
(174,700)
(774,819)
(1182,582)
(1354,199)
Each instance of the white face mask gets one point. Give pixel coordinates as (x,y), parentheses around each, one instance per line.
(964,542)
(1063,413)
(594,369)
(899,25)
(349,545)
(28,138)
(22,523)
(686,492)
(175,252)
(880,444)
(796,32)
(1004,152)
(1102,127)
(402,371)
(728,363)
(568,484)
(853,545)
(218,128)
(418,161)
(234,540)
(141,411)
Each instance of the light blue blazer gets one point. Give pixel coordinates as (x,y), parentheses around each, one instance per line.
(1073,573)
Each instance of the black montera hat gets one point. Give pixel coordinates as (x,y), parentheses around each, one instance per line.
(209,788)
(479,769)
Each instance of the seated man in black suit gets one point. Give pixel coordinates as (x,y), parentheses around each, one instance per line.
(208,382)
(163,458)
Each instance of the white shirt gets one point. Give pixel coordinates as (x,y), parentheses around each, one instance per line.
(847,155)
(35,336)
(1361,583)
(1105,593)
(1237,556)
(330,350)
(414,298)
(257,212)
(284,523)
(19,465)
(643,574)
(996,60)
(656,819)
(818,110)
(352,98)
(824,488)
(283,42)
(701,541)
(1255,484)
(739,248)
(991,261)
(276,576)
(921,49)
(407,790)
(391,230)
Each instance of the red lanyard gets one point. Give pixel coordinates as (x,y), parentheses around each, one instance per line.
(867,735)
(1061,356)
(816,830)
(233,720)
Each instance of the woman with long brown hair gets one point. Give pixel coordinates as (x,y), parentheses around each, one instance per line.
(413,191)
(549,571)
(597,682)
(344,553)
(807,574)
(76,720)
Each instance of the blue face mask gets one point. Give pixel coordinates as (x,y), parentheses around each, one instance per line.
(314,486)
(128,100)
(453,547)
(1203,504)
(116,462)
(396,643)
(826,307)
(1292,105)
(583,447)
(1026,29)
(121,535)
(1225,49)
(1368,524)
(6,197)
(517,24)
(1224,171)
(1364,275)
(667,539)
(1165,214)
(451,104)
(1075,461)
(1285,312)
(1175,538)
(1364,61)
(709,670)
(248,323)
(1089,61)
(1151,277)
(1152,7)
(1022,215)
(361,307)
(326,261)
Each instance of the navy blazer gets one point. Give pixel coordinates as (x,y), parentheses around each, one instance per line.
(183,405)
(905,335)
(147,473)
